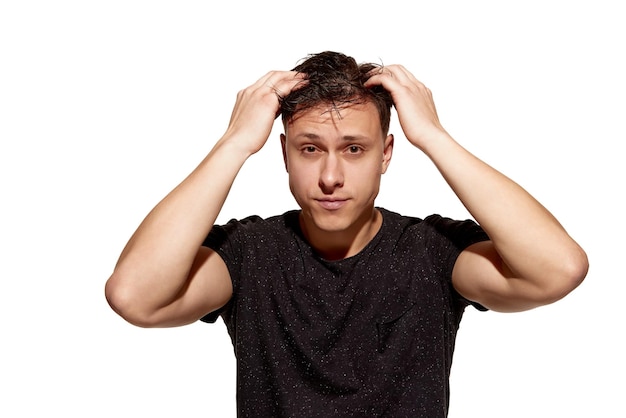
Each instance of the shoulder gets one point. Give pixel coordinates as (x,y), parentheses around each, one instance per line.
(394,220)
(435,227)
(461,232)
(253,227)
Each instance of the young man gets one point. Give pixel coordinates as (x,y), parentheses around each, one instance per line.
(341,308)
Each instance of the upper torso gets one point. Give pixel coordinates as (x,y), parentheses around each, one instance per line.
(370,335)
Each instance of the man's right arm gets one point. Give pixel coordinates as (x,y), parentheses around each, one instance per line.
(164,277)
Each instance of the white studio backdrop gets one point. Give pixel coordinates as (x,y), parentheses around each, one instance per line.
(106,106)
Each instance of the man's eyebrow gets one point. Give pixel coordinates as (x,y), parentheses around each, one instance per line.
(308,135)
(354,137)
(312,136)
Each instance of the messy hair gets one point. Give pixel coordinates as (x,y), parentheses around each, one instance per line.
(335,80)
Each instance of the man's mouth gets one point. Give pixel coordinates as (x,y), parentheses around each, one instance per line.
(332,203)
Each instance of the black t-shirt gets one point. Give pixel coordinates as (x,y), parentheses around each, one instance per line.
(367,336)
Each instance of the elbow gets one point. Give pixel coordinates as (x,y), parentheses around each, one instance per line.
(576,269)
(126,302)
(571,274)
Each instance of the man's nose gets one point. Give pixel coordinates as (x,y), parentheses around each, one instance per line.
(331,175)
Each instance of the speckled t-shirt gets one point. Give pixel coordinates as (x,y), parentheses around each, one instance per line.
(367,336)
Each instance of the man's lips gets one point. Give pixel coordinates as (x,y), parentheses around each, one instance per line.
(331,203)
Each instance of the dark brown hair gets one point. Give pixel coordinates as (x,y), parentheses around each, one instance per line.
(336,80)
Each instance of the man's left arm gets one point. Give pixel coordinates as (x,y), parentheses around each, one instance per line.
(530,260)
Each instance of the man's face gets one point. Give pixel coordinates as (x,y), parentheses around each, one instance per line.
(335,161)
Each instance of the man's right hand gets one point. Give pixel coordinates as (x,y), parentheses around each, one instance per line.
(257,107)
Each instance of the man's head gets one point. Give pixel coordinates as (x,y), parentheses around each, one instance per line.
(335,80)
(336,146)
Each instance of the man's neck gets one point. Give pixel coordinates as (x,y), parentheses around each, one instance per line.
(337,245)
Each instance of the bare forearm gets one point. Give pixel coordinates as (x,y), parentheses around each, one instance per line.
(531,242)
(157,259)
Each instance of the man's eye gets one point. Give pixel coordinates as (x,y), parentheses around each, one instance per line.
(354,149)
(309,149)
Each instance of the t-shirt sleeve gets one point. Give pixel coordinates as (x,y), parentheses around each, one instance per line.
(227,241)
(460,234)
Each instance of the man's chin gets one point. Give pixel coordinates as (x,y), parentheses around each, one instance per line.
(327,221)
(331,226)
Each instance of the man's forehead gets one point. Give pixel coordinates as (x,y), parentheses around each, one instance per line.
(359,114)
(345,125)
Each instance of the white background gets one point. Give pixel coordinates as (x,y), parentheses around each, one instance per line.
(106,106)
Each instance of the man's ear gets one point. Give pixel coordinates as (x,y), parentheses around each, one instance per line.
(387,152)
(283,143)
